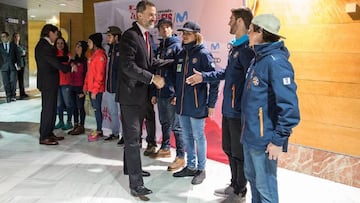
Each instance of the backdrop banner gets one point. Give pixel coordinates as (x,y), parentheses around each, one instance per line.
(213,17)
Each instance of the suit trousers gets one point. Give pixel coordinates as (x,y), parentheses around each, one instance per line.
(150,124)
(20,78)
(48,112)
(9,81)
(132,117)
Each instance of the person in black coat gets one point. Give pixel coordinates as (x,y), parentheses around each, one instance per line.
(133,90)
(10,59)
(48,66)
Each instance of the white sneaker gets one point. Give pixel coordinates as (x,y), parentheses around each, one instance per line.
(224,192)
(234,198)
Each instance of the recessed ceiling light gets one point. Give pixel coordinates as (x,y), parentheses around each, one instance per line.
(62,4)
(32,16)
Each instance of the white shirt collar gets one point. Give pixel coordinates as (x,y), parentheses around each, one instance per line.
(143,30)
(48,39)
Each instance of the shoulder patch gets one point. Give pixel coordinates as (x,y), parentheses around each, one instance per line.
(286,81)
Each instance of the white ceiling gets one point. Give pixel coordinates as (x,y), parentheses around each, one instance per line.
(46,9)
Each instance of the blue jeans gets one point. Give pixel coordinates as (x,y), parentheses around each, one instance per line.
(195,141)
(96,104)
(114,110)
(65,101)
(261,173)
(169,121)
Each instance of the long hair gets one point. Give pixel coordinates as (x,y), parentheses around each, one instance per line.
(66,48)
(198,38)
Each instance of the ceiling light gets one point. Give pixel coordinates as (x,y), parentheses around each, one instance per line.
(32,16)
(62,4)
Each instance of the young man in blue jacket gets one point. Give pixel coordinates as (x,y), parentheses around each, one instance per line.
(269,108)
(169,47)
(239,58)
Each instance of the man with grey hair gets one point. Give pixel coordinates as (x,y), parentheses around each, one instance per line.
(134,80)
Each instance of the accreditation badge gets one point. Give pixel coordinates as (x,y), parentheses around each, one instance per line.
(178,68)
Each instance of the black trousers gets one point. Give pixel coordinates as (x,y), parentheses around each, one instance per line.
(131,118)
(9,82)
(20,78)
(48,112)
(231,132)
(150,124)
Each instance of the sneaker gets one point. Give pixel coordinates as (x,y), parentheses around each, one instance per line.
(176,164)
(150,149)
(234,198)
(224,192)
(59,125)
(162,153)
(111,137)
(185,172)
(67,126)
(121,141)
(199,177)
(94,136)
(78,130)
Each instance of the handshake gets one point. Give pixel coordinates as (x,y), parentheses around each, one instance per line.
(158,81)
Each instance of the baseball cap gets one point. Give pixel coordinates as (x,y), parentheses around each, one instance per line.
(190,27)
(164,20)
(114,30)
(268,22)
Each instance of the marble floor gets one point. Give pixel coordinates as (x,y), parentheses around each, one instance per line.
(79,171)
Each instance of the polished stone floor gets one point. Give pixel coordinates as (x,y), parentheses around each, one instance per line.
(79,171)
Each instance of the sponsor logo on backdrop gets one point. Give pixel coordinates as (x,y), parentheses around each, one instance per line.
(215,47)
(181,17)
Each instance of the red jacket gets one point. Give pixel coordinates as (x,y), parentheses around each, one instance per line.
(65,78)
(96,74)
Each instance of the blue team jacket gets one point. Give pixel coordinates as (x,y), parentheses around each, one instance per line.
(194,101)
(269,101)
(239,59)
(113,64)
(168,49)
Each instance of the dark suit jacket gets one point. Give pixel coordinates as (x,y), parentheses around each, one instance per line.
(48,66)
(8,60)
(134,68)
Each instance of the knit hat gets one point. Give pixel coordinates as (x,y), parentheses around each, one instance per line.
(268,22)
(190,27)
(97,39)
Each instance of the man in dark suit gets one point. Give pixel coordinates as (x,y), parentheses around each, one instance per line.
(10,58)
(48,66)
(133,90)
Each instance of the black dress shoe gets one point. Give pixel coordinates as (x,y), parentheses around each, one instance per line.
(24,96)
(140,191)
(57,138)
(143,173)
(48,141)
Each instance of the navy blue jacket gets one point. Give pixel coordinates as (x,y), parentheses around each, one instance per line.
(269,102)
(168,49)
(113,67)
(194,101)
(239,59)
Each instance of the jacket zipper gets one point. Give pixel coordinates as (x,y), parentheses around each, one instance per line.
(183,82)
(261,121)
(233,96)
(196,98)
